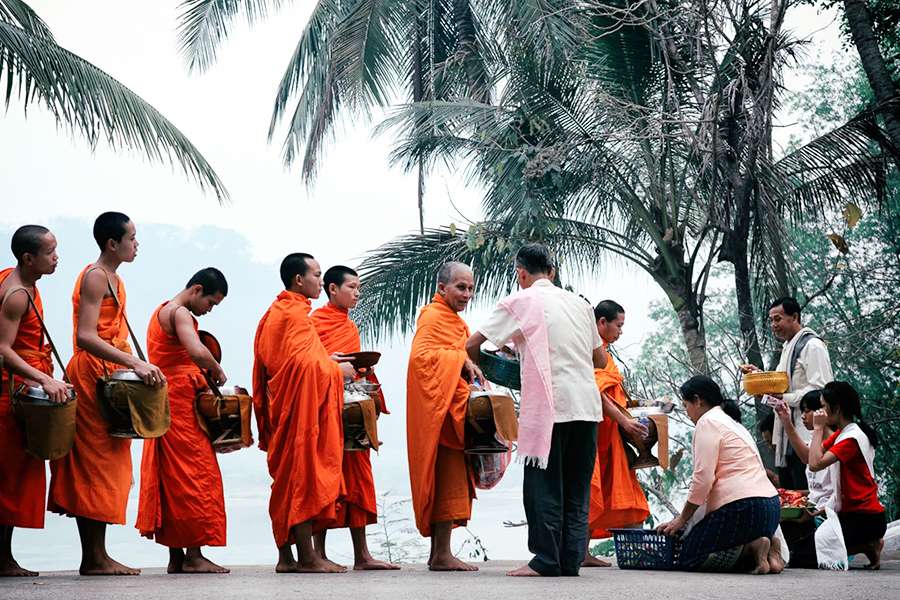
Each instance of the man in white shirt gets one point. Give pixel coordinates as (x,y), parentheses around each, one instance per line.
(559,347)
(804,357)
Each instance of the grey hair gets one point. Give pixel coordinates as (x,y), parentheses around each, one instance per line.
(445,273)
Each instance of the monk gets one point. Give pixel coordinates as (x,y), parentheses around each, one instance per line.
(340,335)
(91,482)
(617,499)
(298,398)
(26,358)
(182,503)
(437,394)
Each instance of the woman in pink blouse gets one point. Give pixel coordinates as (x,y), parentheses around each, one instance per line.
(735,507)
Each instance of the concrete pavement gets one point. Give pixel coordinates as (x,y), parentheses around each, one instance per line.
(414,582)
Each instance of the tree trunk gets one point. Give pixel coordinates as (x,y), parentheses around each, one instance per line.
(418,94)
(745,307)
(688,312)
(862,30)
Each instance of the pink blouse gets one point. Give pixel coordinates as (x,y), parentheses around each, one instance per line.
(726,468)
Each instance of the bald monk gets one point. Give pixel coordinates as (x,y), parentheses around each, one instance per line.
(437,394)
(340,335)
(298,397)
(26,357)
(617,499)
(182,504)
(91,482)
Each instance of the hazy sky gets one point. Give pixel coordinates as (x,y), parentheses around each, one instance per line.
(358,202)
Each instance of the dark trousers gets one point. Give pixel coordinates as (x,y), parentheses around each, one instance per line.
(792,476)
(556,500)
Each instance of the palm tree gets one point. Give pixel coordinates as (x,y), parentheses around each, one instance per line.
(648,139)
(353,56)
(87,100)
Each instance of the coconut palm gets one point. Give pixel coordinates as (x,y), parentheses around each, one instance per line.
(87,100)
(353,56)
(647,139)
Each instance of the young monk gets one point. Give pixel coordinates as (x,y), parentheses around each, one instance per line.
(182,503)
(339,334)
(26,358)
(91,482)
(298,399)
(617,499)
(437,384)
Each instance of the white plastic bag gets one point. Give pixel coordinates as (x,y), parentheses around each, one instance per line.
(831,553)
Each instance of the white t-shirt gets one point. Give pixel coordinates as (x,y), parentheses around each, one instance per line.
(572,335)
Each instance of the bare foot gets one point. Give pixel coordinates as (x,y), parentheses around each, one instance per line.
(176,561)
(449,563)
(592,561)
(776,563)
(873,553)
(759,551)
(523,571)
(106,566)
(319,565)
(201,564)
(11,568)
(370,564)
(286,566)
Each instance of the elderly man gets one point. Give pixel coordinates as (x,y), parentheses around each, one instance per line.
(804,357)
(557,339)
(437,394)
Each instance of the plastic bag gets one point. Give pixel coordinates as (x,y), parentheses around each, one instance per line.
(831,553)
(489,468)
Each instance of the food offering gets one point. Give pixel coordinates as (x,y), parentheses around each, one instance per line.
(793,504)
(360,416)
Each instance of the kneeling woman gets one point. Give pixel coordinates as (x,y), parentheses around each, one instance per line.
(852,449)
(729,485)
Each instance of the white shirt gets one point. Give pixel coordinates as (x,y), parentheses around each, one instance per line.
(572,336)
(812,372)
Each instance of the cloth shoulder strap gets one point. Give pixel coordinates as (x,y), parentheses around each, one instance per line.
(804,339)
(46,333)
(134,340)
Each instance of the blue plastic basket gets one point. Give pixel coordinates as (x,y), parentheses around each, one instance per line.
(645,549)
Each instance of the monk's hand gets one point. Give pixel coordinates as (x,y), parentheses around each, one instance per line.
(672,527)
(820,419)
(218,375)
(150,374)
(347,370)
(634,429)
(471,372)
(57,390)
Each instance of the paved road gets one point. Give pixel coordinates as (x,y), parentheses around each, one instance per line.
(416,583)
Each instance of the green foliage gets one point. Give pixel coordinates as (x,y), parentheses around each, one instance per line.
(395,539)
(86,99)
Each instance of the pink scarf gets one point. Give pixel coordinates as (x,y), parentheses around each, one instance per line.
(536,407)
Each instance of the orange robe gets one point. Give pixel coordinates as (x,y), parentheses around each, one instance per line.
(616,496)
(298,397)
(23,484)
(182,503)
(93,479)
(436,401)
(358,508)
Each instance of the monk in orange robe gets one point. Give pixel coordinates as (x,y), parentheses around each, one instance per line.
(340,335)
(617,499)
(25,358)
(437,395)
(182,504)
(91,482)
(298,394)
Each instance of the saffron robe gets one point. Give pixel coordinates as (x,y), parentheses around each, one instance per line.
(616,496)
(436,401)
(358,507)
(182,503)
(298,398)
(23,484)
(94,478)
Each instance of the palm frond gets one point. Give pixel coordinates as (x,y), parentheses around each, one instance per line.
(18,13)
(204,24)
(89,101)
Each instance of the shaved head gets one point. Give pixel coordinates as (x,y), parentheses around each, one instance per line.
(28,239)
(451,269)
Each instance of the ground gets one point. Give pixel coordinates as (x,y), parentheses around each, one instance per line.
(414,582)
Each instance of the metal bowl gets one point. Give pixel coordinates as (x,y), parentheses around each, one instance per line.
(125,375)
